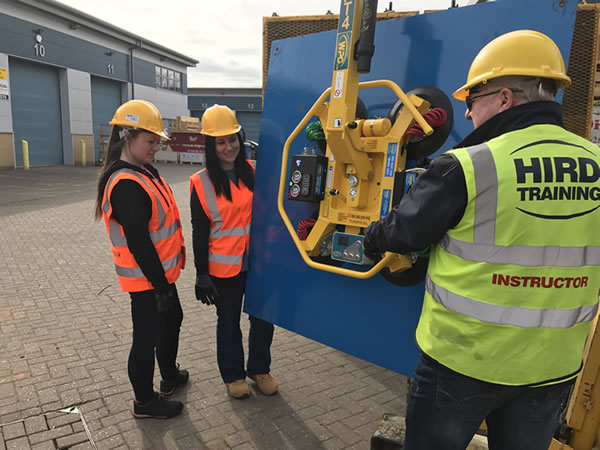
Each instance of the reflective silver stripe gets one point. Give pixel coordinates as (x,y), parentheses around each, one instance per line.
(248,229)
(235,231)
(172,262)
(486,201)
(164,233)
(117,239)
(111,180)
(523,255)
(510,315)
(225,259)
(211,201)
(136,272)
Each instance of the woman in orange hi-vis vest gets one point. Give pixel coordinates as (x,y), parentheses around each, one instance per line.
(221,203)
(144,228)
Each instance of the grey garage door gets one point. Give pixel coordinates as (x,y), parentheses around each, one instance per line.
(35,91)
(106,98)
(251,123)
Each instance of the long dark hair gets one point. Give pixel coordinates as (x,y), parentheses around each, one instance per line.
(113,155)
(217,175)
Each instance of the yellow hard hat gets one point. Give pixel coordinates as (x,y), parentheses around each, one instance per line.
(522,52)
(140,114)
(219,120)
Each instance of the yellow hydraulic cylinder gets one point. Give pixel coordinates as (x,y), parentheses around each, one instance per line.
(25,147)
(83,155)
(376,127)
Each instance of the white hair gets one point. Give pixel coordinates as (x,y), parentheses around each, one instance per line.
(526,89)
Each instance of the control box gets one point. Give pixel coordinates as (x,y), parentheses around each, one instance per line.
(348,248)
(307,180)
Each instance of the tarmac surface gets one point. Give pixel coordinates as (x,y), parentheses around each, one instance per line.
(65,334)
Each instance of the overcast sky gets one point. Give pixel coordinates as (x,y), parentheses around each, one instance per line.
(224,36)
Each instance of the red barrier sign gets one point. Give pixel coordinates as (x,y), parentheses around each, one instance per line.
(186,142)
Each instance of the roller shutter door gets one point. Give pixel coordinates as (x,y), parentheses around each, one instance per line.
(250,121)
(35,91)
(106,98)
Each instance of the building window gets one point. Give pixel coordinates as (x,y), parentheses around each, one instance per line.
(168,79)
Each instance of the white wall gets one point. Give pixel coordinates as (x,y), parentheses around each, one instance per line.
(6,123)
(76,108)
(170,104)
(80,102)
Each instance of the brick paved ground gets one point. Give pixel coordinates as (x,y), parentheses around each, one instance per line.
(65,333)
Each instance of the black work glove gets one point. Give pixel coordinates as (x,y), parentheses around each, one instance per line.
(165,300)
(206,291)
(370,249)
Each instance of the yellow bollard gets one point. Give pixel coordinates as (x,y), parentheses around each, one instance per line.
(25,147)
(83,155)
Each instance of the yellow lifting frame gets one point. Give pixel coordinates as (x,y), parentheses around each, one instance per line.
(389,259)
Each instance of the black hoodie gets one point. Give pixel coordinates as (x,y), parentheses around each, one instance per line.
(132,208)
(437,199)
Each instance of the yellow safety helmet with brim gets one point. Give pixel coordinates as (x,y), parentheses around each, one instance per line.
(219,120)
(140,114)
(521,52)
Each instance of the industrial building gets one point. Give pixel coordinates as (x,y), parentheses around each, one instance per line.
(246,102)
(63,73)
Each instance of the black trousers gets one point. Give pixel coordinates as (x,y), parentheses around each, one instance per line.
(230,352)
(154,335)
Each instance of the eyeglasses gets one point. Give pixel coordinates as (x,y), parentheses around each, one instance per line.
(471,98)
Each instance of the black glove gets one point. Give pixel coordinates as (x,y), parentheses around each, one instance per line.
(370,250)
(165,300)
(206,291)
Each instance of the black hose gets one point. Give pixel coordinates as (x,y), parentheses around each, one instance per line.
(365,48)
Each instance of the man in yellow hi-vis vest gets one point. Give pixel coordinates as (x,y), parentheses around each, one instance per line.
(513,214)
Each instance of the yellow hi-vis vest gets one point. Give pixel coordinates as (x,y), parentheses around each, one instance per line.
(512,290)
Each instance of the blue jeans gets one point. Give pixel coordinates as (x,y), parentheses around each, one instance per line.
(445,409)
(230,352)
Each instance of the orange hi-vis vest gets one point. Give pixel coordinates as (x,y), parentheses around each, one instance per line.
(164,228)
(229,236)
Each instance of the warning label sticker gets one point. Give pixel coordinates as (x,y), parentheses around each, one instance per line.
(370,144)
(339,84)
(354,219)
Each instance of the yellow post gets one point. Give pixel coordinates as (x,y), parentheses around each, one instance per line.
(83,155)
(25,147)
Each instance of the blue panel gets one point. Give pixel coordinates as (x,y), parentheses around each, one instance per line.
(106,98)
(250,121)
(370,319)
(35,92)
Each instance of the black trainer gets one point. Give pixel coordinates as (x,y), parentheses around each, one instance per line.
(167,387)
(157,408)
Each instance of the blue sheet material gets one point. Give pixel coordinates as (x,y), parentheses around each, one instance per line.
(370,319)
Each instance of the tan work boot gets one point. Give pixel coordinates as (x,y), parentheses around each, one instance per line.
(265,382)
(238,389)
